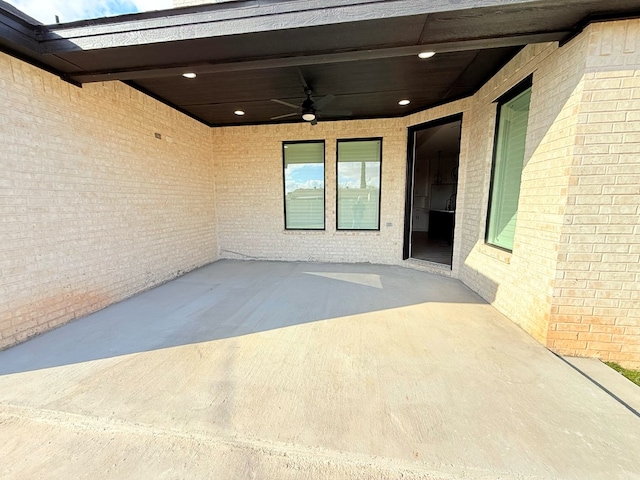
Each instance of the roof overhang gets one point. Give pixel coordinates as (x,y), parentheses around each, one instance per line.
(246,53)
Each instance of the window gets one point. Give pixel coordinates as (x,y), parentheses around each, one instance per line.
(303,185)
(358,196)
(508,160)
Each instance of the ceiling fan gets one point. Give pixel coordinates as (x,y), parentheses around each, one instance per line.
(310,109)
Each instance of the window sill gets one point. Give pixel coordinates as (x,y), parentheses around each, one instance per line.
(304,232)
(339,233)
(494,252)
(348,233)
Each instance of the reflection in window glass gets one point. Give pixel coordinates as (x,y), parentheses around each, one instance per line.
(359,184)
(304,185)
(507,170)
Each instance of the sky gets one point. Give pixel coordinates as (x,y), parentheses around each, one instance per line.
(45,11)
(303,175)
(349,174)
(311,175)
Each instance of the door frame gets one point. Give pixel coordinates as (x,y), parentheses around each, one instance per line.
(411,161)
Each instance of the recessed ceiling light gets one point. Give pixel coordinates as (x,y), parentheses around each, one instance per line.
(404,102)
(239,112)
(189,75)
(426,54)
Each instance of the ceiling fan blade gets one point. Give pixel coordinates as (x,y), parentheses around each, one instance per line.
(284,116)
(314,121)
(326,100)
(287,104)
(304,82)
(336,113)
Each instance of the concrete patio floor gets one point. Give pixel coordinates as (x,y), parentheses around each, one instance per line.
(296,371)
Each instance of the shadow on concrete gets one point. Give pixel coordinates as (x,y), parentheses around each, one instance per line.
(229,299)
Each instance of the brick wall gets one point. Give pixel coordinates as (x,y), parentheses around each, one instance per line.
(93,207)
(573,278)
(535,285)
(249,186)
(519,284)
(596,307)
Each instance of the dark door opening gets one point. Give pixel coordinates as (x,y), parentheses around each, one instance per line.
(432,188)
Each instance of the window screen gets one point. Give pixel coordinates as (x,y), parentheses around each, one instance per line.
(358,195)
(507,169)
(304,185)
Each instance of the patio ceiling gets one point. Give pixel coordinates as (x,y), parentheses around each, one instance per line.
(246,53)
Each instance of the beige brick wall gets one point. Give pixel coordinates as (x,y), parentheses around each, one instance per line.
(573,278)
(93,207)
(596,308)
(249,185)
(519,284)
(535,285)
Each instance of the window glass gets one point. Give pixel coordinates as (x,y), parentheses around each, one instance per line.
(358,187)
(304,185)
(507,170)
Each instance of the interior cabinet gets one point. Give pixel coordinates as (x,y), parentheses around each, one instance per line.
(441,225)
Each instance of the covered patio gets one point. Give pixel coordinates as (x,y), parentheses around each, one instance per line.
(253,369)
(139,147)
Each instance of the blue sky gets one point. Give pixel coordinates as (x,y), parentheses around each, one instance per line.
(310,175)
(45,11)
(304,175)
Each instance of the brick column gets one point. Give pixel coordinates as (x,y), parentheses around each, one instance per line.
(596,304)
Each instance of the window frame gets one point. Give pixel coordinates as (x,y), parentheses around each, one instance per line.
(512,93)
(365,139)
(324,189)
